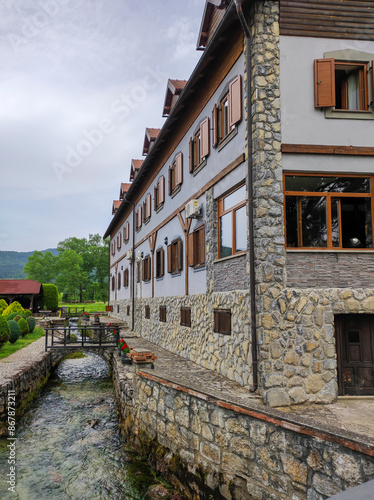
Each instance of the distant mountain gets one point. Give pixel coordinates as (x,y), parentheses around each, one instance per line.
(12,263)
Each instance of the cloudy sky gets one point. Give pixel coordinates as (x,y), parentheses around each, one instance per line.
(80,81)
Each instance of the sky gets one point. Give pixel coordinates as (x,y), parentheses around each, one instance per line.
(80,80)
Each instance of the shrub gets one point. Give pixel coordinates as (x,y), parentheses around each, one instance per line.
(14,307)
(24,326)
(31,322)
(15,331)
(3,305)
(17,317)
(50,293)
(4,331)
(27,313)
(12,316)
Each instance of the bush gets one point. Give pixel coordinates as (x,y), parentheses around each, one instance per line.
(15,331)
(50,297)
(12,316)
(3,305)
(4,331)
(17,317)
(27,313)
(24,326)
(31,322)
(14,307)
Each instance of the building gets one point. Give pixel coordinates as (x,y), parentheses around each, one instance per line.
(245,241)
(27,292)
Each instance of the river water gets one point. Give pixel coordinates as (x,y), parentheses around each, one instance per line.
(68,445)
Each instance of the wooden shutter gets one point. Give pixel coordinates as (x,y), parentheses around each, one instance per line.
(190,248)
(324,83)
(148,202)
(155,191)
(169,259)
(162,258)
(215,126)
(201,244)
(170,181)
(161,190)
(204,138)
(127,231)
(191,148)
(235,101)
(372,79)
(139,214)
(178,169)
(179,255)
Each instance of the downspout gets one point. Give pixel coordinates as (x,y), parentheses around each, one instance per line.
(252,281)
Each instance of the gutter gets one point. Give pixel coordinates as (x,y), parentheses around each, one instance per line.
(252,278)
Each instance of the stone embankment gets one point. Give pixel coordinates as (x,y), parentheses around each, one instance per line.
(212,439)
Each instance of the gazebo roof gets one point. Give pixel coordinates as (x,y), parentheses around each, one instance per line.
(20,287)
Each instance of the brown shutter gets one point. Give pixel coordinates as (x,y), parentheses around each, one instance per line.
(169,259)
(148,202)
(190,246)
(161,190)
(179,253)
(155,189)
(170,176)
(324,83)
(372,79)
(204,138)
(178,169)
(191,154)
(201,243)
(215,126)
(235,101)
(162,258)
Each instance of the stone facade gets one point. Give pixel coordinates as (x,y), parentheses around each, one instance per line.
(210,451)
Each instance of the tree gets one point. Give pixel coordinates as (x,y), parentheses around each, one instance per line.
(41,267)
(72,278)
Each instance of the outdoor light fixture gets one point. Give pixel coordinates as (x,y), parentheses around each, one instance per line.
(166,240)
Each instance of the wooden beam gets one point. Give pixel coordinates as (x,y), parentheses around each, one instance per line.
(327,150)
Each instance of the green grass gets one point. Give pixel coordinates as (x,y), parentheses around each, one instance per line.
(88,307)
(9,348)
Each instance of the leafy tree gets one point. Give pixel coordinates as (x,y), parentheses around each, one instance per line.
(41,267)
(50,294)
(72,279)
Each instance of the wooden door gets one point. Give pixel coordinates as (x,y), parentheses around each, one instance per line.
(355,350)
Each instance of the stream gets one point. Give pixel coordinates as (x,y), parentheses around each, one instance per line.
(68,444)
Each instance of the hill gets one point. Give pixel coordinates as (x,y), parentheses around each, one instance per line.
(12,263)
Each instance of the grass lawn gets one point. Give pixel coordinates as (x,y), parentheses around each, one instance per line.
(9,348)
(88,307)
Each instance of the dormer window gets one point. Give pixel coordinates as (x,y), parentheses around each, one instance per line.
(149,139)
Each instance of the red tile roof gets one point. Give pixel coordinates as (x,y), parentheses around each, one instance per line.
(115,206)
(173,89)
(135,167)
(20,287)
(124,188)
(150,136)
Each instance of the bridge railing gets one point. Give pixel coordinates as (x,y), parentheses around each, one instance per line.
(70,337)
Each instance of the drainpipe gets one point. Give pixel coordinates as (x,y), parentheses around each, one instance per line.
(252,282)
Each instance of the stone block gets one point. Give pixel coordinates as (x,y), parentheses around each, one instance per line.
(294,468)
(277,397)
(210,452)
(347,467)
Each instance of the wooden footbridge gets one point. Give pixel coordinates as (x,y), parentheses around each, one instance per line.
(92,336)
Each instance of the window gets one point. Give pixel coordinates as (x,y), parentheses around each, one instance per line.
(139,217)
(147,268)
(160,258)
(119,241)
(113,247)
(328,212)
(147,312)
(126,232)
(163,313)
(176,174)
(185,316)
(196,247)
(342,85)
(119,281)
(147,208)
(126,278)
(228,112)
(222,321)
(232,223)
(113,283)
(159,194)
(199,145)
(128,310)
(175,256)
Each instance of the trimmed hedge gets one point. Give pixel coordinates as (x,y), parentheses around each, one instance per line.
(24,326)
(14,307)
(3,305)
(50,297)
(4,331)
(31,322)
(15,331)
(27,313)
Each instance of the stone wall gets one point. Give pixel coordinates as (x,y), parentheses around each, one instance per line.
(332,270)
(27,381)
(209,450)
(231,274)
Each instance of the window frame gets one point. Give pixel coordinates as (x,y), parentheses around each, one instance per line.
(147,268)
(220,316)
(228,112)
(175,256)
(147,311)
(160,263)
(126,277)
(163,314)
(329,196)
(119,281)
(185,319)
(221,212)
(126,232)
(199,146)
